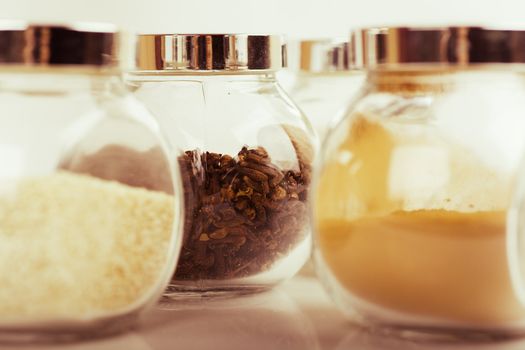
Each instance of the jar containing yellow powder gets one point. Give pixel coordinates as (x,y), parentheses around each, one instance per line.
(417,183)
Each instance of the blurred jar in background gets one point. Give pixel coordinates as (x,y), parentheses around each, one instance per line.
(319,79)
(418,183)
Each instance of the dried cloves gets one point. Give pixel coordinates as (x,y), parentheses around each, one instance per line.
(243,213)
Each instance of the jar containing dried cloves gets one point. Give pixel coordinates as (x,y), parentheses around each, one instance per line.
(89,230)
(246,160)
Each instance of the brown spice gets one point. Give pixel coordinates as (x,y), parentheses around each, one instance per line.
(242,214)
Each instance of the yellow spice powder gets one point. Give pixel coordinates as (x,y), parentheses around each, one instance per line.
(409,223)
(441,264)
(73,246)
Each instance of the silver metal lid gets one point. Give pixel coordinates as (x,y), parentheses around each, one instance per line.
(27,44)
(319,56)
(390,47)
(209,52)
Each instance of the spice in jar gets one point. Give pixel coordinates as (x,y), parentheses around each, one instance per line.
(243,213)
(75,246)
(434,254)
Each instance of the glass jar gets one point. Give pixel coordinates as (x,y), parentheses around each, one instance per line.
(89,224)
(324,83)
(246,160)
(418,180)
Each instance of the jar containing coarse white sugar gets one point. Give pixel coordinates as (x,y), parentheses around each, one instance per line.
(246,157)
(89,211)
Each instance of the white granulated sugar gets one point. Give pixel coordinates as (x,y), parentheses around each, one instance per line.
(74,246)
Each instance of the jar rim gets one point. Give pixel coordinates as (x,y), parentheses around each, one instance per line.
(430,47)
(232,53)
(326,55)
(77,44)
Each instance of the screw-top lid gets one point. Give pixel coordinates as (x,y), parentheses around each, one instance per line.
(209,52)
(320,56)
(390,47)
(81,44)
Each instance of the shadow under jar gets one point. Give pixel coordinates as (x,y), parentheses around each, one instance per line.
(89,232)
(246,160)
(418,180)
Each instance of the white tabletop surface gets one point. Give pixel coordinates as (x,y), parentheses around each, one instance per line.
(296,315)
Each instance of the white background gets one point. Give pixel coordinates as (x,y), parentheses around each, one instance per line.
(297,18)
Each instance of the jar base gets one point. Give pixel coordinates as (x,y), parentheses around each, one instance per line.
(388,323)
(61,333)
(442,335)
(192,293)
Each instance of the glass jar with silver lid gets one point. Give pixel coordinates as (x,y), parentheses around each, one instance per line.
(322,79)
(418,203)
(246,160)
(88,217)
